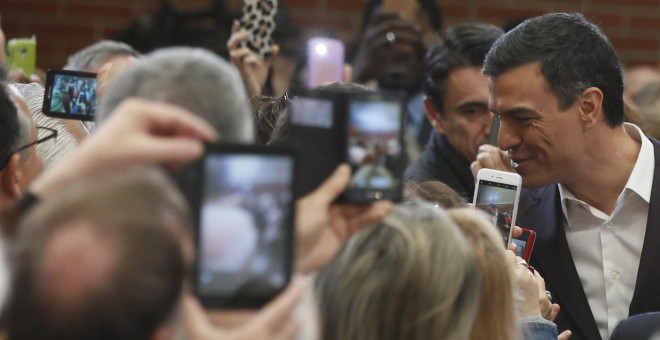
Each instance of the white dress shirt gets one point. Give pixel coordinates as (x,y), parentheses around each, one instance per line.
(606,249)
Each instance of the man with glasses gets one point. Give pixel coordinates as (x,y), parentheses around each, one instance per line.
(19,162)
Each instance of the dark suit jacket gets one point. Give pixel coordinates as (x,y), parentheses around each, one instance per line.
(540,210)
(638,327)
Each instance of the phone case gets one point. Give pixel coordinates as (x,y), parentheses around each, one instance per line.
(259,20)
(22,53)
(325,61)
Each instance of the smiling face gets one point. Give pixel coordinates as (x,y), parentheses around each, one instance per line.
(465,119)
(544,143)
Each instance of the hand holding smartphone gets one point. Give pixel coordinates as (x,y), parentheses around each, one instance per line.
(245,232)
(259,20)
(363,130)
(22,54)
(525,244)
(497,193)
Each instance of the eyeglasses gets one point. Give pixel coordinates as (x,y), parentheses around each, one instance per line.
(52,133)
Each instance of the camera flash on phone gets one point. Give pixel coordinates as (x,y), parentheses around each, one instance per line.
(321,49)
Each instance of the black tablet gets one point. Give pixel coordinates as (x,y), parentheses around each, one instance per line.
(246,219)
(70,95)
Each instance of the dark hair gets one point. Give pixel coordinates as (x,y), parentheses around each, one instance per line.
(464,45)
(429,7)
(10,128)
(266,111)
(573,53)
(142,288)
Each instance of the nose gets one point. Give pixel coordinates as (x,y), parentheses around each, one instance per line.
(508,137)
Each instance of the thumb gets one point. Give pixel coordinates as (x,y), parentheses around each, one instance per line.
(334,185)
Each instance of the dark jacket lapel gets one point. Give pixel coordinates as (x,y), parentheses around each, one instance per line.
(540,210)
(647,288)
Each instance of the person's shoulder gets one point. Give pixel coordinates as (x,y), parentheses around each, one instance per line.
(642,326)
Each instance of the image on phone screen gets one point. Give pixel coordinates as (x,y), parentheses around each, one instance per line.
(312,112)
(520,246)
(374,148)
(498,201)
(245,225)
(70,94)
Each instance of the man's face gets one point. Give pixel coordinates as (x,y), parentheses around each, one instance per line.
(544,143)
(403,68)
(465,120)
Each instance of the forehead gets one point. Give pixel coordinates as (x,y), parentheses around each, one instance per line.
(465,82)
(523,86)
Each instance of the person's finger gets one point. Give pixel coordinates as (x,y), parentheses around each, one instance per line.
(475,167)
(194,317)
(171,150)
(252,60)
(165,119)
(553,313)
(235,26)
(516,232)
(236,39)
(485,159)
(375,213)
(240,54)
(565,335)
(274,51)
(282,308)
(288,331)
(332,186)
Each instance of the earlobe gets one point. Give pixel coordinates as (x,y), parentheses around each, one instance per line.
(433,115)
(10,178)
(591,107)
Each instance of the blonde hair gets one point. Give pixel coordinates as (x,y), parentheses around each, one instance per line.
(411,277)
(496,318)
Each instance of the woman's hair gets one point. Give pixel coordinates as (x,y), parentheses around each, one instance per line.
(496,318)
(413,276)
(434,192)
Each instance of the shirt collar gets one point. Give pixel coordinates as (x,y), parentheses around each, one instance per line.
(641,177)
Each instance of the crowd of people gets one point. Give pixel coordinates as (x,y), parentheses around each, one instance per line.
(98,239)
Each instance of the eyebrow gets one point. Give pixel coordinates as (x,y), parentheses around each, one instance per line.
(471,104)
(513,111)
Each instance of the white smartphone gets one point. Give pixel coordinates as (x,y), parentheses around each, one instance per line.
(497,193)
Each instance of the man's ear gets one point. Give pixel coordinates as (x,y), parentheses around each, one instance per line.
(590,105)
(10,178)
(433,115)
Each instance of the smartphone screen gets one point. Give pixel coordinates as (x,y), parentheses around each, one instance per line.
(374,149)
(520,246)
(70,95)
(245,235)
(325,61)
(498,200)
(312,112)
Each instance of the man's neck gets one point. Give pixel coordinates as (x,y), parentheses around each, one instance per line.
(603,173)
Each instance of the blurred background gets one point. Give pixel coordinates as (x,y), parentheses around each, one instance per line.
(64,26)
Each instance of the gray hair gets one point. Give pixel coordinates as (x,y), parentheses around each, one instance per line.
(93,56)
(192,78)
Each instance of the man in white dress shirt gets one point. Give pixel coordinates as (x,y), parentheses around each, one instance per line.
(556,83)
